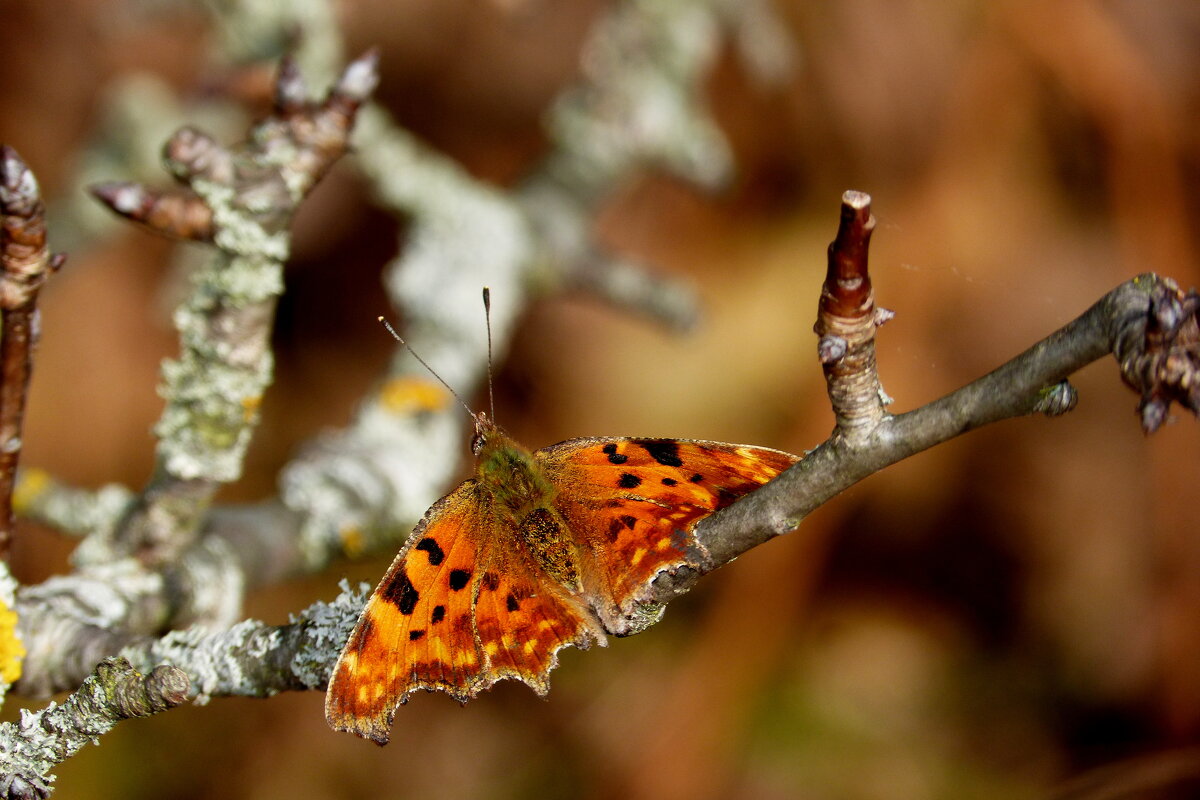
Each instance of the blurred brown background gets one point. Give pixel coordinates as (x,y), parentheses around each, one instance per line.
(992,619)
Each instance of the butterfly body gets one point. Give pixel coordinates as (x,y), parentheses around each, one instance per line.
(510,482)
(538,551)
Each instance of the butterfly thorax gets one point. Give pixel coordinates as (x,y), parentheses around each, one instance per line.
(507,472)
(509,475)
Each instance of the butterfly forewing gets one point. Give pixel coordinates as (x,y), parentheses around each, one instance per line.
(417,630)
(635,502)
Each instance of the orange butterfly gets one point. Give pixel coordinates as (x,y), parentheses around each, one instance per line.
(537,552)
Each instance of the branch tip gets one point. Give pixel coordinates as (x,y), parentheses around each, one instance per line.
(360,77)
(178,213)
(857,200)
(123,197)
(1163,364)
(847,289)
(19,192)
(291,91)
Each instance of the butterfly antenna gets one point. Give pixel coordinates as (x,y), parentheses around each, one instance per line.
(487,316)
(424,364)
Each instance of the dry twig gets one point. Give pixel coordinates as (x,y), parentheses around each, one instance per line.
(25,263)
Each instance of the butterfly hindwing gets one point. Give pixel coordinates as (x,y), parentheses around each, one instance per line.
(523,621)
(635,502)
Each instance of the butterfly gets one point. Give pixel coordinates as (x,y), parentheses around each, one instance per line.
(538,551)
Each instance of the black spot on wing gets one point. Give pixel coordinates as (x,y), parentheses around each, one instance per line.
(459,578)
(489,582)
(512,603)
(629,481)
(664,451)
(439,614)
(669,481)
(628,520)
(414,635)
(430,546)
(402,594)
(614,457)
(696,478)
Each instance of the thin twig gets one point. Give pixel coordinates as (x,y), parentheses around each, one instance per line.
(846,323)
(1018,388)
(173,212)
(25,262)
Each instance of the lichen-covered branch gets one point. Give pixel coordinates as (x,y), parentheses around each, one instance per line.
(29,749)
(214,388)
(182,578)
(69,509)
(253,659)
(70,622)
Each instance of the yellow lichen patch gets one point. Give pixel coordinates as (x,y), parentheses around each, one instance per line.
(409,395)
(12,651)
(353,540)
(250,406)
(32,483)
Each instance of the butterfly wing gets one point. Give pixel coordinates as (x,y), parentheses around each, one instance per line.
(417,630)
(460,608)
(634,503)
(523,621)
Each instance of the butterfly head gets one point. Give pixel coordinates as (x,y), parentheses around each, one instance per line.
(485,429)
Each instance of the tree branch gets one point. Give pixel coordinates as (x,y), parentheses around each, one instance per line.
(32,747)
(25,263)
(1124,322)
(213,391)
